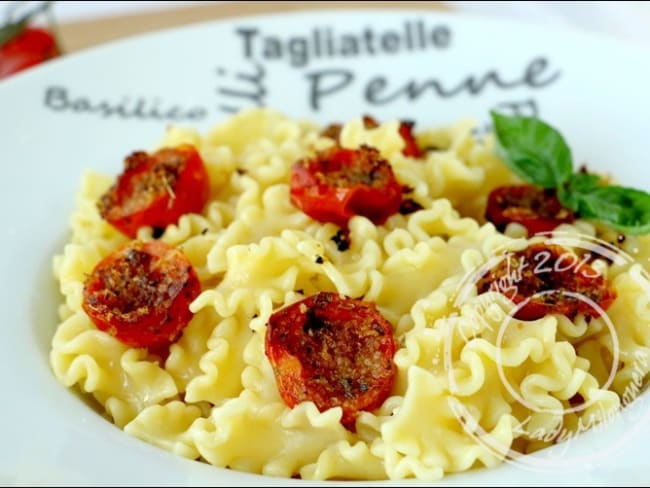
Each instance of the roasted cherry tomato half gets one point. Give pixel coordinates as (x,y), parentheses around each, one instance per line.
(156,189)
(141,293)
(333,351)
(338,184)
(551,280)
(411,149)
(29,47)
(535,208)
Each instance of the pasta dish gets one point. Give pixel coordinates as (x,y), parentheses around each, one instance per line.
(360,301)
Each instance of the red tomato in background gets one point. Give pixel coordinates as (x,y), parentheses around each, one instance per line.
(156,189)
(339,183)
(141,294)
(334,351)
(535,208)
(31,46)
(541,275)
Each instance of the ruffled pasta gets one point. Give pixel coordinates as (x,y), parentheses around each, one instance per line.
(473,384)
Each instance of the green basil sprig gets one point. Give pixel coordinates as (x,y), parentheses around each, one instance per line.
(538,154)
(534,150)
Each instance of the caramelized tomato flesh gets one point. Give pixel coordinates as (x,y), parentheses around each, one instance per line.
(549,279)
(535,208)
(333,351)
(340,183)
(141,294)
(156,189)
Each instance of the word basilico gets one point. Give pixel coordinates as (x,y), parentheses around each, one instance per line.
(59,99)
(538,154)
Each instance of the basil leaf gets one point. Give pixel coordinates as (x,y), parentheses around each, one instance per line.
(584,182)
(624,209)
(534,150)
(579,183)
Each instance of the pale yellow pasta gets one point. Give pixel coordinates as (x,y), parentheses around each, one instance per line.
(472,382)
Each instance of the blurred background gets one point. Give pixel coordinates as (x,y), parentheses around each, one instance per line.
(76,25)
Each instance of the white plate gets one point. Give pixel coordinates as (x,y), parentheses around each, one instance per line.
(594,90)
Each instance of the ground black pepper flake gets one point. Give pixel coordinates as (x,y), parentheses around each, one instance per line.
(157,232)
(319,260)
(409,206)
(341,240)
(576,400)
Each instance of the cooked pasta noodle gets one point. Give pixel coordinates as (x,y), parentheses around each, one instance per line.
(254,252)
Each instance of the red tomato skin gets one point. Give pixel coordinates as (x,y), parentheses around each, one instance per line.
(130,204)
(116,303)
(411,148)
(536,209)
(30,47)
(318,189)
(304,373)
(582,279)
